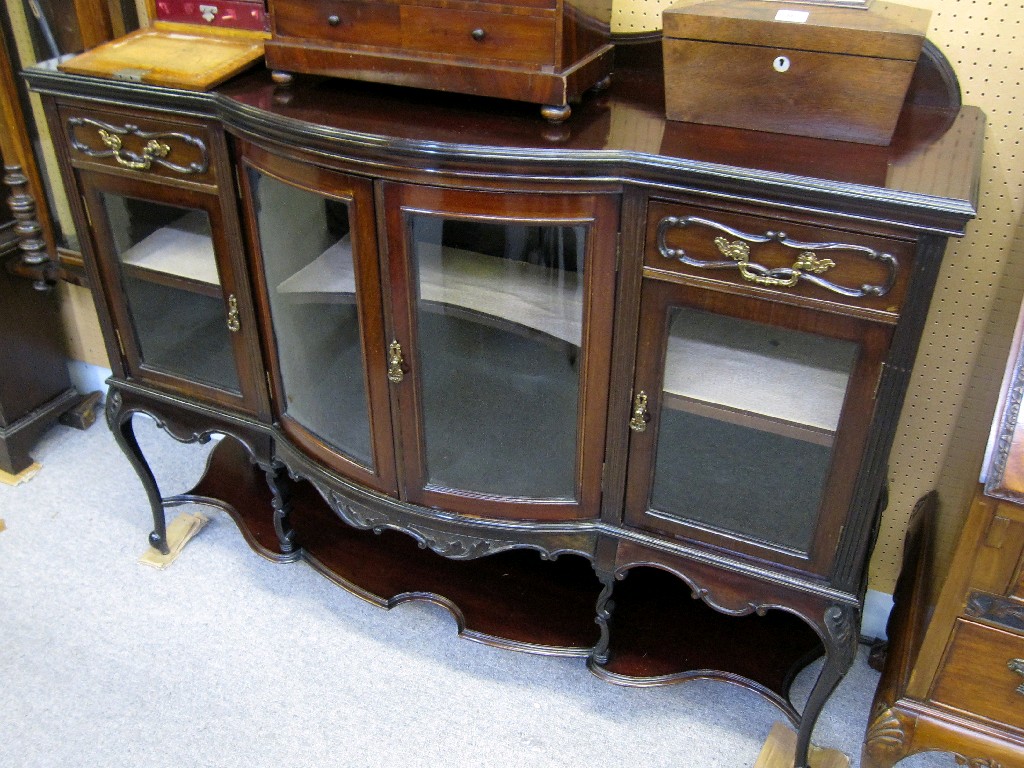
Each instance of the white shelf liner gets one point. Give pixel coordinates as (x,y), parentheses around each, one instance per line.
(537,297)
(183,248)
(758,369)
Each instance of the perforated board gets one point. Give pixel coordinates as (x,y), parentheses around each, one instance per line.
(955,383)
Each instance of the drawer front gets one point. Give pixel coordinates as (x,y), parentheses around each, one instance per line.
(139,144)
(786,258)
(421,29)
(526,39)
(332,21)
(983,673)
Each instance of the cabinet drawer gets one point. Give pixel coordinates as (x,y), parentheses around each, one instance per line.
(423,29)
(980,674)
(782,256)
(139,144)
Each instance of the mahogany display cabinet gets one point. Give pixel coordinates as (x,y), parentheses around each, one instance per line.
(619,388)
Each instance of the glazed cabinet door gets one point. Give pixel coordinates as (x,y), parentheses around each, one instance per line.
(318,283)
(499,353)
(180,306)
(749,422)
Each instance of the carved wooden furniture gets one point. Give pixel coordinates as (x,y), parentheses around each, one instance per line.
(35,388)
(954,676)
(544,52)
(541,375)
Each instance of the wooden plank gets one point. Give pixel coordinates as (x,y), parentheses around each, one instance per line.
(780,748)
(175,59)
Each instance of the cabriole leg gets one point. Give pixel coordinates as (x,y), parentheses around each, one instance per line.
(124,433)
(840,649)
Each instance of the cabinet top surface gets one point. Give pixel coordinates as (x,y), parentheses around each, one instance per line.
(926,178)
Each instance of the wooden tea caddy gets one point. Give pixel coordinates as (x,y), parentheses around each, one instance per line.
(825,70)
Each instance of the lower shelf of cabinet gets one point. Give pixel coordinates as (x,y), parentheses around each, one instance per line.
(515,599)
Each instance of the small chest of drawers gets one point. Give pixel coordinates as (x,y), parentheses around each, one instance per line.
(956,683)
(545,52)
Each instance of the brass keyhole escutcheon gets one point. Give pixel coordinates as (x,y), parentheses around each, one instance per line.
(638,423)
(234,324)
(395,363)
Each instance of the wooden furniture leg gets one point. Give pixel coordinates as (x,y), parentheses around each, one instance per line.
(120,424)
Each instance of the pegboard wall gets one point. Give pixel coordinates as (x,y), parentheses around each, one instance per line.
(955,383)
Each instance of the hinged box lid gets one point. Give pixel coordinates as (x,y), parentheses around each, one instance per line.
(189,45)
(882,30)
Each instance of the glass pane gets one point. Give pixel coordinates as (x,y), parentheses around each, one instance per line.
(307,257)
(749,414)
(500,313)
(173,291)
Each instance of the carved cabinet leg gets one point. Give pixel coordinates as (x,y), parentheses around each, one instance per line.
(840,649)
(124,434)
(605,606)
(888,738)
(281,488)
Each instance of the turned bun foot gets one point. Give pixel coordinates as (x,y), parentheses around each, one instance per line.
(556,113)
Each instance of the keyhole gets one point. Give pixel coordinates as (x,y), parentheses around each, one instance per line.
(781,64)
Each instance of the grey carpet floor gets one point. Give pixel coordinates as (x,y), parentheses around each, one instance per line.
(225,659)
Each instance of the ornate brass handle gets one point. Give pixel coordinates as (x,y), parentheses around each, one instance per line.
(735,246)
(234,324)
(1017,665)
(640,415)
(806,262)
(395,363)
(153,149)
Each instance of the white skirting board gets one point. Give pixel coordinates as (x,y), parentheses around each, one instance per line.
(877,607)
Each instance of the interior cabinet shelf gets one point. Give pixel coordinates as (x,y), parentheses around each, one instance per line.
(757,376)
(179,254)
(514,291)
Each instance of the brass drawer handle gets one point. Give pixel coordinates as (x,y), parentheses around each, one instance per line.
(155,149)
(809,266)
(395,363)
(638,423)
(152,150)
(1017,665)
(234,324)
